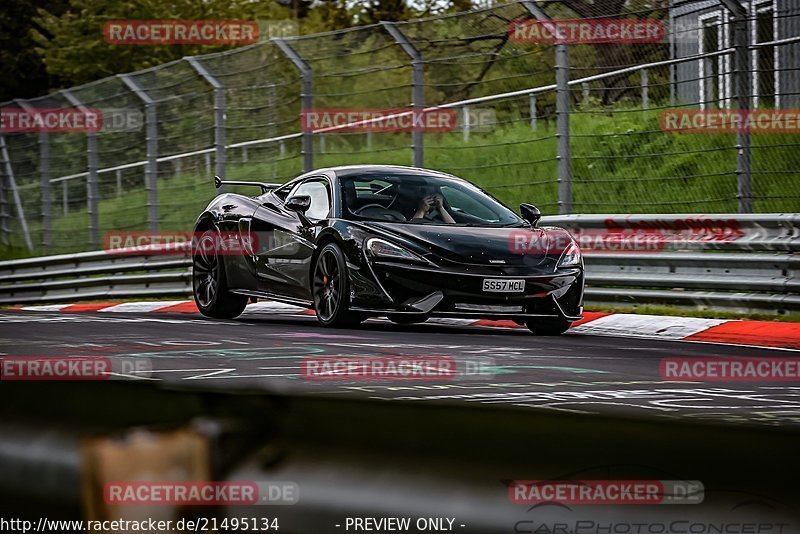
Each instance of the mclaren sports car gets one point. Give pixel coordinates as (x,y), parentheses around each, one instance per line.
(376,240)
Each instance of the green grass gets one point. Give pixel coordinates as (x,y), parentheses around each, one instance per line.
(622,163)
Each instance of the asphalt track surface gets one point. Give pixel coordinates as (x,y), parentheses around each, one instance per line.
(573,373)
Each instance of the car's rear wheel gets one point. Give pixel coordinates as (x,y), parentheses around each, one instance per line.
(548,327)
(330,287)
(209,283)
(403,318)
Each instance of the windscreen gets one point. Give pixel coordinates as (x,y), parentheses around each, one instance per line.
(422,199)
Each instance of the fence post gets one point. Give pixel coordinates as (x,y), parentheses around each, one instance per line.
(673,53)
(92,196)
(12,184)
(417,89)
(564,156)
(741,73)
(465,112)
(5,232)
(645,89)
(219,115)
(307,96)
(532,104)
(151,170)
(44,184)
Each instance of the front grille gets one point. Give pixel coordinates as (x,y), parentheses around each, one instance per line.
(459,306)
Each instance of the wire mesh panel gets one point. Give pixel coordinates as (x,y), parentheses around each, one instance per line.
(20,189)
(505,145)
(183,106)
(775,74)
(120,202)
(262,102)
(358,73)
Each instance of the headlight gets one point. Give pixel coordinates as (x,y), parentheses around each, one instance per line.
(381,248)
(571,256)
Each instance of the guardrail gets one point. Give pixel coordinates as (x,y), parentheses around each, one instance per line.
(729,261)
(733,262)
(95,275)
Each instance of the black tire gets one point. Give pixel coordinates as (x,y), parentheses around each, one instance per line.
(402,318)
(209,283)
(331,290)
(548,327)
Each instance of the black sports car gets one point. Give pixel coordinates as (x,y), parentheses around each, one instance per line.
(378,240)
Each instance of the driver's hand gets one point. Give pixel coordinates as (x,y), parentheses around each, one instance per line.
(426,204)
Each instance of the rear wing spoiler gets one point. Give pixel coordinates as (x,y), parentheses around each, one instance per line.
(219,182)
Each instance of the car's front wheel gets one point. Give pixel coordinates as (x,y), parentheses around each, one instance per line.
(548,327)
(209,283)
(330,287)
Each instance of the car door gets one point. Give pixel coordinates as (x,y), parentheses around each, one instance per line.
(286,239)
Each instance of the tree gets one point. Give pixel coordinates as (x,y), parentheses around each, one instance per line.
(73,49)
(22,72)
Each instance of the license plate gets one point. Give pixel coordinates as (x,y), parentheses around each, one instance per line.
(492,285)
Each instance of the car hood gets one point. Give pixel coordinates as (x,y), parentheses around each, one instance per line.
(484,246)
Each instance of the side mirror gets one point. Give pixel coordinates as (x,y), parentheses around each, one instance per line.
(530,213)
(299,203)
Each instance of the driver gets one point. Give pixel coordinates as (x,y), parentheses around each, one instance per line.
(432,200)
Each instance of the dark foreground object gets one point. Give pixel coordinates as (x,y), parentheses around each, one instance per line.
(362,458)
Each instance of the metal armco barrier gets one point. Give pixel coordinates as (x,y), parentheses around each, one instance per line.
(95,275)
(734,262)
(730,261)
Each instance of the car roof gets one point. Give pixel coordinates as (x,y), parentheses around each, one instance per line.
(347,170)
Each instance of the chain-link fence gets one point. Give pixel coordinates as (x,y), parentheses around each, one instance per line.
(571,123)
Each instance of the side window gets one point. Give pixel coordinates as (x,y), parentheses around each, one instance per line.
(318,190)
(283,191)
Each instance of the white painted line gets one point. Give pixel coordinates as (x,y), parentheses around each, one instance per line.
(648,326)
(48,307)
(141,307)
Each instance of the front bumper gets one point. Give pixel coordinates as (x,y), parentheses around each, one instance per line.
(401,288)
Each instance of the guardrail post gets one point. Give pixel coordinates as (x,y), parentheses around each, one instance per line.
(307,96)
(12,185)
(219,114)
(417,89)
(92,196)
(564,156)
(742,89)
(44,174)
(151,170)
